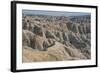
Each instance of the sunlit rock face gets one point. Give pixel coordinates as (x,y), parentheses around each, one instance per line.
(56,38)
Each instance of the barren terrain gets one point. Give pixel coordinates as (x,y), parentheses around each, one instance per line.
(55,38)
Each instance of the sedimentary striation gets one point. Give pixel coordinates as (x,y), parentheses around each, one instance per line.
(55,38)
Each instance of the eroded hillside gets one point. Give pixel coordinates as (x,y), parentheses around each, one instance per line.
(56,38)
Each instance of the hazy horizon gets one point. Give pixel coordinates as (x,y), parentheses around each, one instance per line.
(53,13)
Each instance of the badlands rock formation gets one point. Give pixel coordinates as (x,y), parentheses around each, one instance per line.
(56,38)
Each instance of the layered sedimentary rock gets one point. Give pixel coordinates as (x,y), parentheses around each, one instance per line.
(56,38)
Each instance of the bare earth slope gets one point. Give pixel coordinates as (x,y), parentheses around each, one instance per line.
(56,38)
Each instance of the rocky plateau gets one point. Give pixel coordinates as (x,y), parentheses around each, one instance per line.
(56,38)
